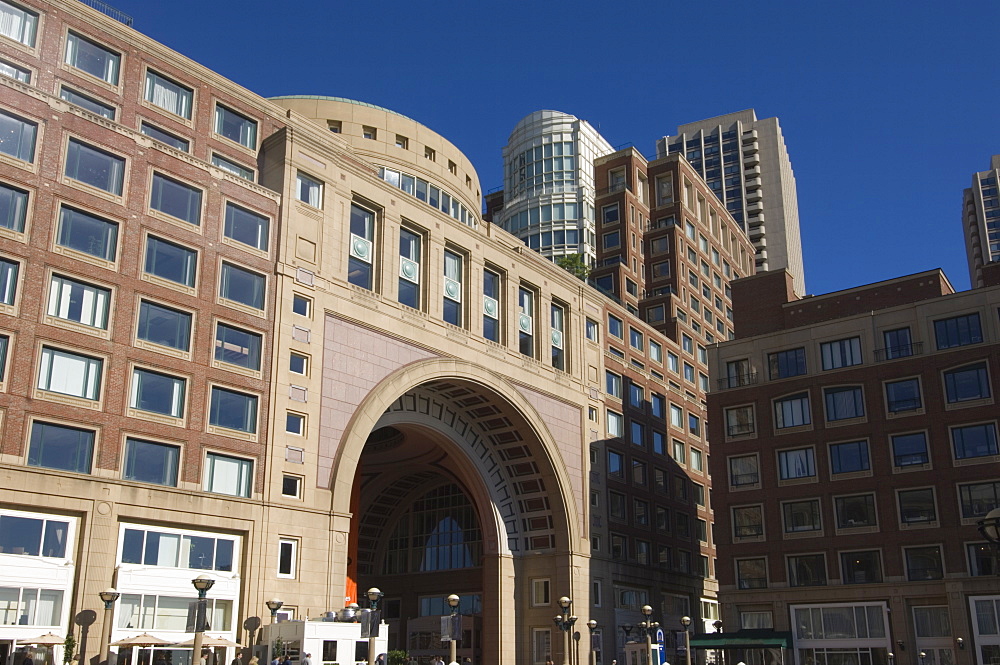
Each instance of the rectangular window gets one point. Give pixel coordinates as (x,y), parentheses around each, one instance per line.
(978,499)
(150,462)
(287,549)
(360,269)
(861,567)
(792,411)
(453,277)
(917,506)
(909,449)
(194,550)
(556,333)
(616,506)
(158,393)
(616,425)
(291,486)
(95,167)
(798,463)
(235,126)
(740,421)
(855,511)
(71,300)
(525,322)
(230,166)
(176,199)
(902,396)
(309,190)
(491,305)
(972,441)
(237,346)
(658,405)
(295,423)
(799,516)
(540,593)
(301,305)
(783,364)
(167,138)
(87,102)
(616,465)
(924,563)
(247,227)
(168,95)
(958,331)
(638,433)
(659,443)
(676,416)
(680,452)
(91,57)
(228,475)
(164,326)
(615,327)
(592,331)
(849,457)
(635,339)
(170,261)
(971,382)
(748,521)
(841,353)
(981,559)
(409,268)
(60,447)
(751,573)
(897,343)
(17,136)
(298,363)
(233,410)
(242,286)
(844,403)
(70,374)
(807,570)
(18,23)
(87,233)
(744,471)
(636,396)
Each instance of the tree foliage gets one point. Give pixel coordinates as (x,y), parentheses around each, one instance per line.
(575,264)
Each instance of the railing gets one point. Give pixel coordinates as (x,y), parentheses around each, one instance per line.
(741,430)
(738,380)
(901,351)
(898,405)
(750,531)
(612,189)
(753,582)
(741,479)
(108,10)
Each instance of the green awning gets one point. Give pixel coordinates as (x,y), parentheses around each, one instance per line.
(743,639)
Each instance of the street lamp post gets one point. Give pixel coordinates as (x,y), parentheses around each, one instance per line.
(274,605)
(202,583)
(648,627)
(374,595)
(109,596)
(593,647)
(453,601)
(686,621)
(564,622)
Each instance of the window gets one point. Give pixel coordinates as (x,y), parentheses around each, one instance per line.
(792,411)
(751,573)
(924,563)
(978,499)
(409,268)
(672,361)
(402,142)
(70,374)
(92,58)
(287,549)
(740,421)
(687,343)
(958,331)
(635,339)
(689,372)
(616,506)
(228,475)
(301,305)
(164,326)
(615,327)
(71,300)
(158,393)
(638,473)
(658,405)
(609,214)
(697,460)
(756,620)
(235,126)
(309,190)
(17,23)
(176,199)
(801,516)
(916,506)
(855,511)
(170,261)
(246,227)
(95,167)
(291,486)
(167,138)
(195,550)
(230,166)
(540,592)
(150,462)
(676,416)
(981,560)
(237,347)
(86,233)
(842,353)
(849,457)
(592,331)
(798,463)
(861,567)
(556,331)
(453,269)
(87,102)
(971,382)
(972,441)
(368,132)
(694,424)
(909,449)
(748,521)
(897,343)
(744,470)
(525,322)
(295,423)
(807,570)
(636,396)
(902,396)
(242,286)
(844,403)
(638,433)
(616,424)
(32,536)
(12,70)
(60,447)
(616,465)
(17,136)
(359,269)
(233,410)
(168,95)
(659,443)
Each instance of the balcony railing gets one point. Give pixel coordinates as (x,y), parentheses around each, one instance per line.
(750,531)
(617,187)
(741,479)
(741,430)
(901,351)
(738,380)
(753,582)
(107,9)
(900,405)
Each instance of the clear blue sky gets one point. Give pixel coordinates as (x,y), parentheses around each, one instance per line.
(887,107)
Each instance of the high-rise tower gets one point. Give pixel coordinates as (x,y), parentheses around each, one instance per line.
(745,162)
(981,220)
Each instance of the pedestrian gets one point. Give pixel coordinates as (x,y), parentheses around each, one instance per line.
(254,661)
(307,660)
(276,660)
(380,660)
(287,660)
